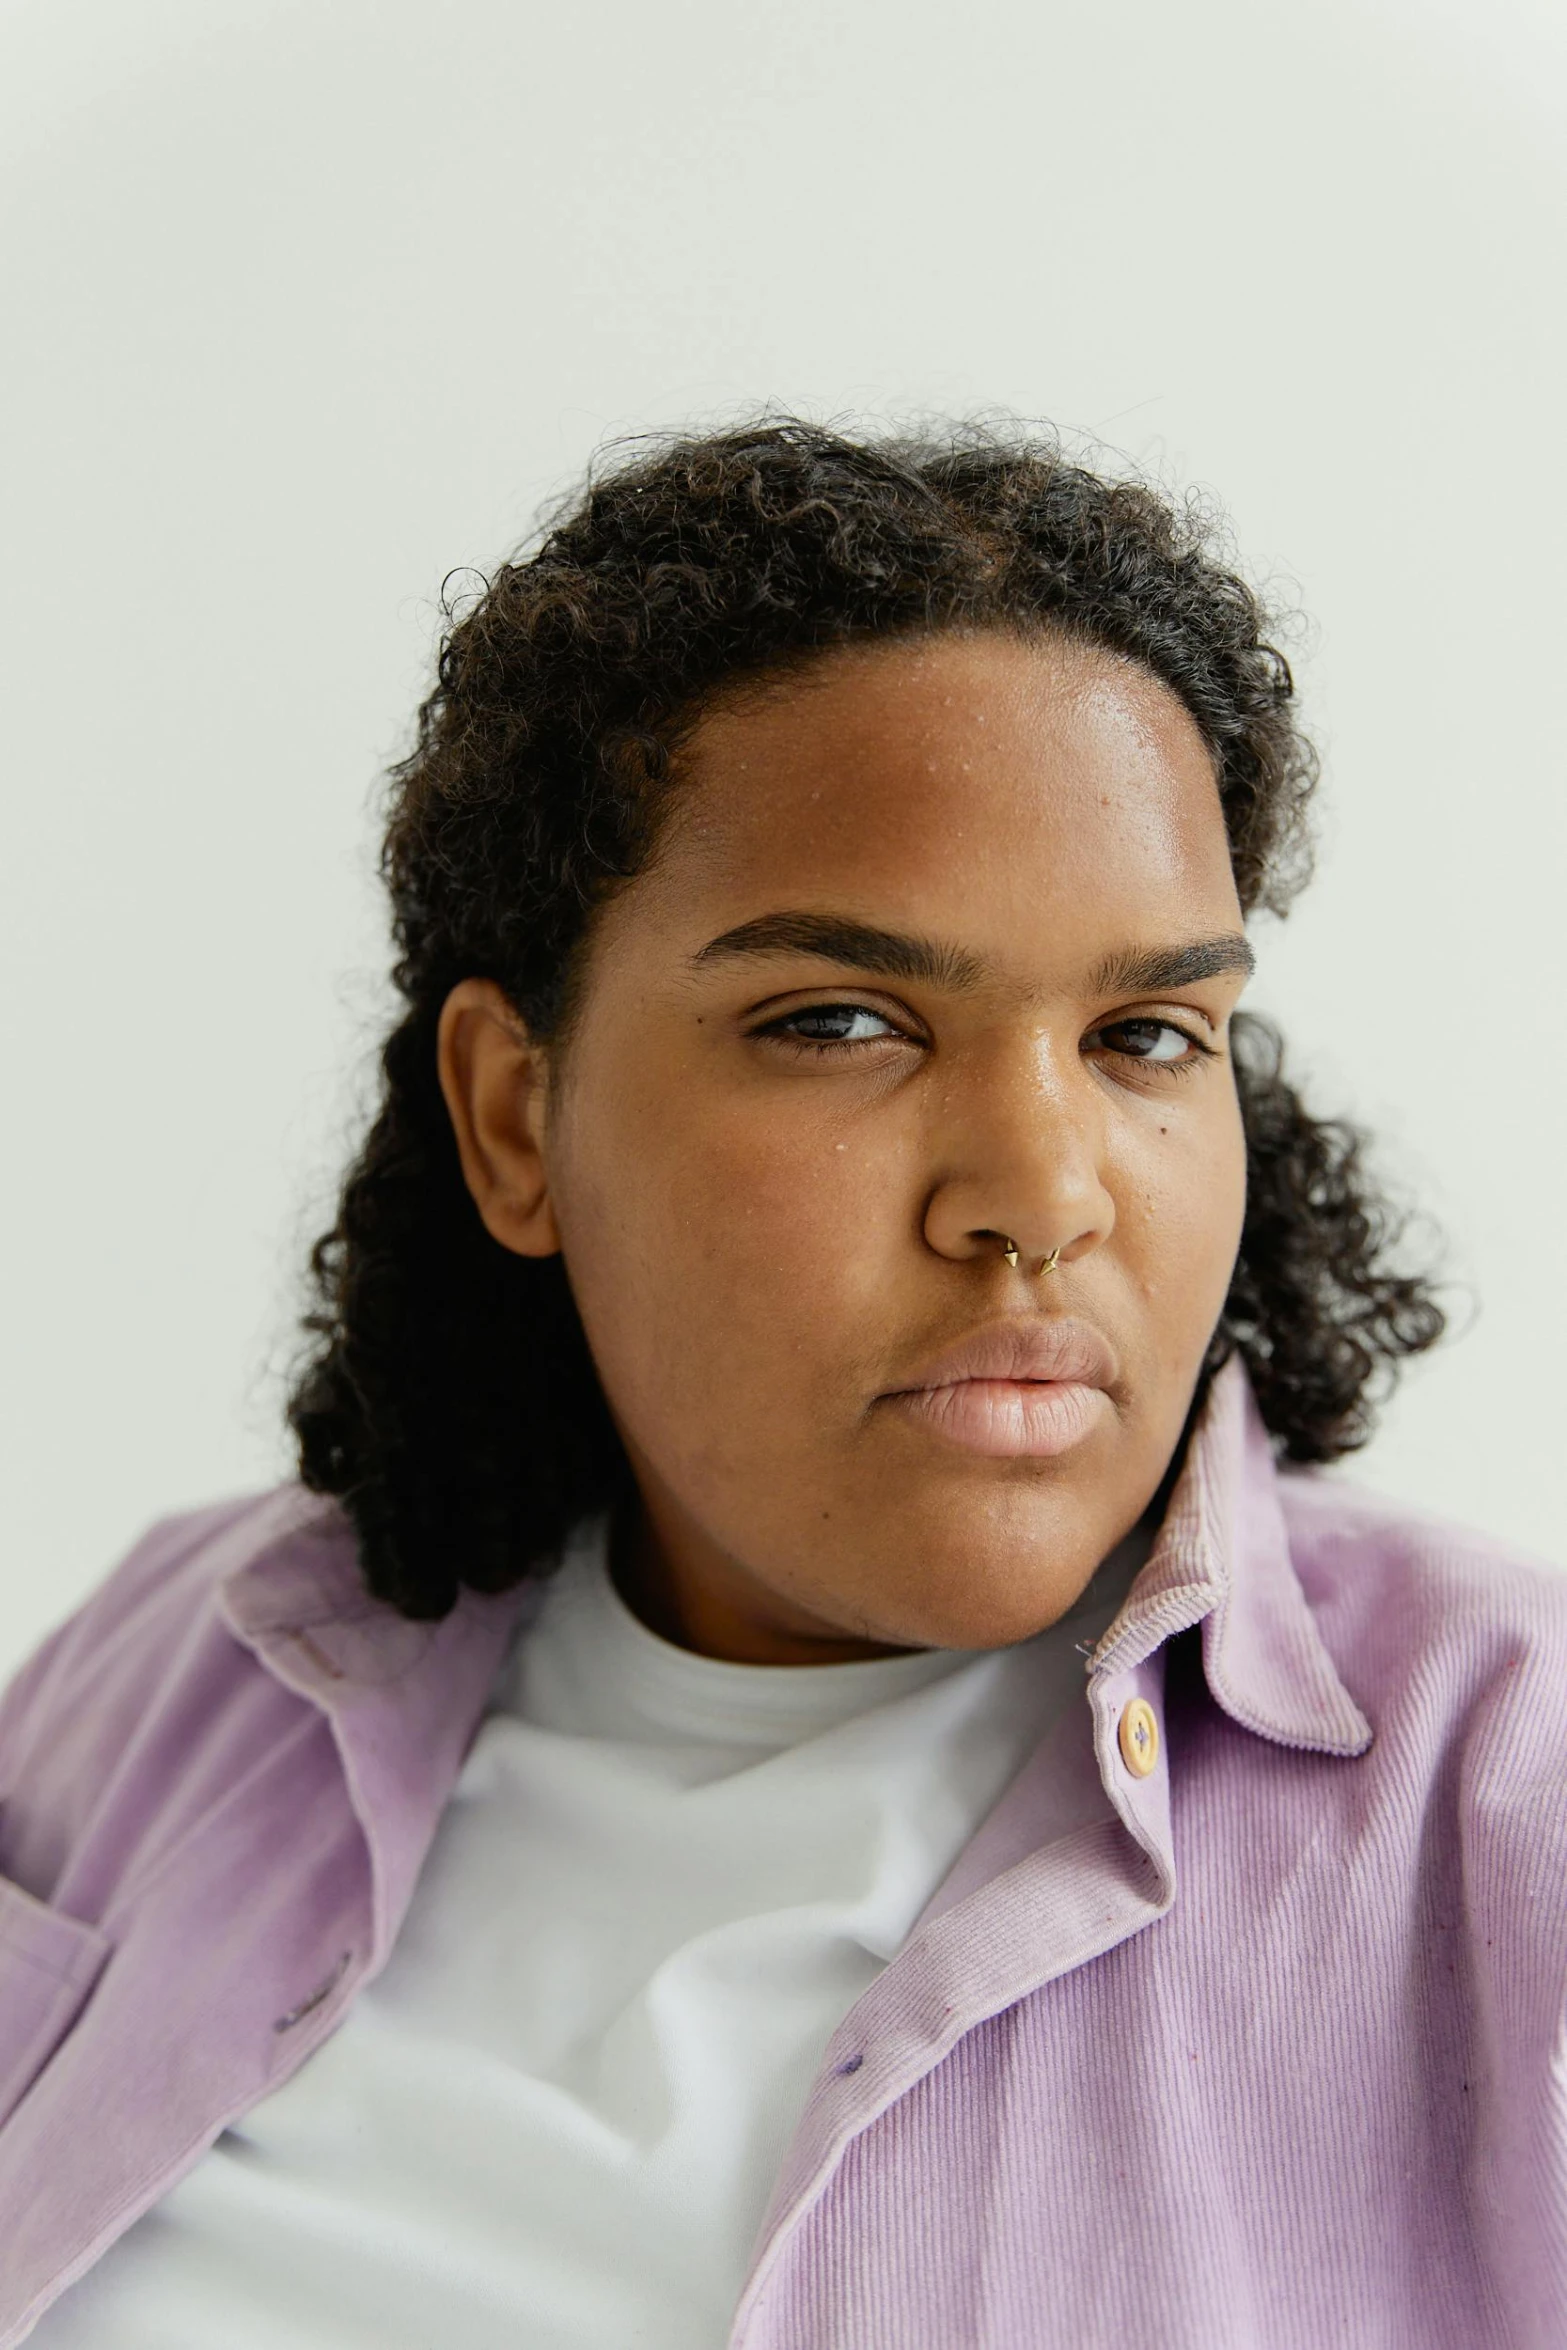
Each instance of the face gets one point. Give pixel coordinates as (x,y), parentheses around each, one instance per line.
(937,955)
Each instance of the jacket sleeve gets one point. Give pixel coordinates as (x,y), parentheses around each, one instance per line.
(26,1695)
(1513,1830)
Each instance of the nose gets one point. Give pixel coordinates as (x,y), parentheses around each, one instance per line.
(1020,1148)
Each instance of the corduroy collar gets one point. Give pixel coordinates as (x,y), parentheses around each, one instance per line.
(1222,1559)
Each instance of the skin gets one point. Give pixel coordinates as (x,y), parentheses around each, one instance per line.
(768,1231)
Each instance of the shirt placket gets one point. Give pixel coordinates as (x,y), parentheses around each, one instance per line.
(1100,1879)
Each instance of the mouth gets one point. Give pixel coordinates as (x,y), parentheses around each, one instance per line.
(1022,1387)
(1007,1419)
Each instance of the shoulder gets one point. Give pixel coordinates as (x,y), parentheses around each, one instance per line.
(148,1625)
(1452,1640)
(1363,1550)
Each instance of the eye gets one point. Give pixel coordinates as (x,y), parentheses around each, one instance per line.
(829,1028)
(1160,1043)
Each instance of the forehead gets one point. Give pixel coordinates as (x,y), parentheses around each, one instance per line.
(978,783)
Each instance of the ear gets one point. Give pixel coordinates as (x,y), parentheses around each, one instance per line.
(494,1080)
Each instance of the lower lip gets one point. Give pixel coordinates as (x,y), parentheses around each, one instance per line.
(1008,1418)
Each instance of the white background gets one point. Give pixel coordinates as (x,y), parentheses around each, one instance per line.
(307,305)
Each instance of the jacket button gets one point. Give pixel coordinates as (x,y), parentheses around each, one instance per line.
(1139,1737)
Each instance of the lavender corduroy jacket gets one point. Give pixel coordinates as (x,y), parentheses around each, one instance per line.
(1260,2050)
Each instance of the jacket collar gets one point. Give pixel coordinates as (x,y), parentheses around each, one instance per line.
(405,1698)
(1222,1559)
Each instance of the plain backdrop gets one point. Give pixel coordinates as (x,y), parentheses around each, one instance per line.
(307,306)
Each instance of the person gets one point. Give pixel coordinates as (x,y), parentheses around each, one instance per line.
(810,1757)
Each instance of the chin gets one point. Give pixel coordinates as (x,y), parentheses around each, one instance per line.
(973,1616)
(1008,1566)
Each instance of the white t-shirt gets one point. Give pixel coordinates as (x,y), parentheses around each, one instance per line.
(553,2121)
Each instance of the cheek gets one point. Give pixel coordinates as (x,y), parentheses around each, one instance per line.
(805,1224)
(719,1283)
(1181,1217)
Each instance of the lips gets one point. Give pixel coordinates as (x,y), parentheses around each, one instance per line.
(1020,1388)
(1029,1347)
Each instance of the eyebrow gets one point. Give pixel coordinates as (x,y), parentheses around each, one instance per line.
(896,954)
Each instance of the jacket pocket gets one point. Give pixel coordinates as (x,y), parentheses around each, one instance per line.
(48,1964)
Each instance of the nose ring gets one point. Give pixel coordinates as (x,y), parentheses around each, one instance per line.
(1047,1265)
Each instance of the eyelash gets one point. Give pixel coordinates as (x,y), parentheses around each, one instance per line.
(817,1048)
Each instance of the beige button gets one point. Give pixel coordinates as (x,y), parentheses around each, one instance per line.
(1139,1737)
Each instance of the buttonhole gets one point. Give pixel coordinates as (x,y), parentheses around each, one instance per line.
(850,2064)
(303,2009)
(318,1656)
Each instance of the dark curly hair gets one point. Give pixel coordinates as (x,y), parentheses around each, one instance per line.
(448,1395)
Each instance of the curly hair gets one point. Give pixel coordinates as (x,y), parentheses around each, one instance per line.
(448,1395)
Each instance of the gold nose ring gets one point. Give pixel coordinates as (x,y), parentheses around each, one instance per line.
(1047,1264)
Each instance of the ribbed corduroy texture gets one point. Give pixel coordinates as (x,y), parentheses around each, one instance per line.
(1312,2104)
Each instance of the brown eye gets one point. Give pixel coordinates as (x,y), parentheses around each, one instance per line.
(832,1023)
(1159,1042)
(828,1025)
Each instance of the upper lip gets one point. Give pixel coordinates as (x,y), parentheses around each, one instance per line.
(1060,1347)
